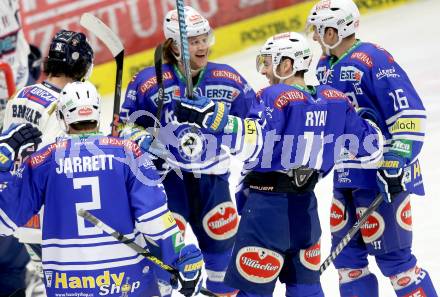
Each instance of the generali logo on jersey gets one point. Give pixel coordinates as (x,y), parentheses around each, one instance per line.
(289,96)
(337,221)
(373,228)
(258,265)
(311,257)
(363,58)
(404,214)
(221,222)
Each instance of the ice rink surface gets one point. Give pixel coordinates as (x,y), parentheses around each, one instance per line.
(411,33)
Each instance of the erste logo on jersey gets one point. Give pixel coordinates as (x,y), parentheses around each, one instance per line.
(289,96)
(404,214)
(258,265)
(221,222)
(364,58)
(169,94)
(337,221)
(221,92)
(373,228)
(350,73)
(311,257)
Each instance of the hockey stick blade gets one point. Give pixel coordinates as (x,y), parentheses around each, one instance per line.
(103,32)
(114,44)
(353,230)
(137,248)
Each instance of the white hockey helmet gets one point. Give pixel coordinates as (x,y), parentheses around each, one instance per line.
(342,15)
(290,44)
(78,102)
(196,25)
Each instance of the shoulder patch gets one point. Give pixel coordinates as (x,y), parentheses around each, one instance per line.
(333,94)
(288,96)
(39,157)
(38,95)
(152,81)
(226,74)
(363,57)
(126,143)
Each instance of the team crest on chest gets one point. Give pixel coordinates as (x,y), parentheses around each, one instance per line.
(192,143)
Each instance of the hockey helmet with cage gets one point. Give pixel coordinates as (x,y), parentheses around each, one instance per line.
(291,45)
(78,102)
(196,25)
(342,15)
(72,50)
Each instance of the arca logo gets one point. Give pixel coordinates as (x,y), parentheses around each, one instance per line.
(373,228)
(221,222)
(337,221)
(404,214)
(258,265)
(311,257)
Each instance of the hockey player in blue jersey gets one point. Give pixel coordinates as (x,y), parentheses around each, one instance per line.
(290,139)
(112,179)
(374,81)
(203,201)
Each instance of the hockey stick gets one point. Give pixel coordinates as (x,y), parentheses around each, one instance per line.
(343,243)
(137,248)
(161,92)
(114,44)
(184,47)
(9,78)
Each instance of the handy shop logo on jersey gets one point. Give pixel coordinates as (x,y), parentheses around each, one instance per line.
(351,73)
(222,221)
(108,283)
(258,265)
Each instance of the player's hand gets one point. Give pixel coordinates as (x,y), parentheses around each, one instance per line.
(137,134)
(203,113)
(189,280)
(390,176)
(368,114)
(14,140)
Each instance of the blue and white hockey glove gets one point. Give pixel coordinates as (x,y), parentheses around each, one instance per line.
(14,140)
(368,114)
(189,280)
(203,113)
(390,176)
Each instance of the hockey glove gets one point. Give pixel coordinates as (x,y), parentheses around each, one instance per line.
(143,138)
(203,113)
(14,140)
(390,176)
(368,114)
(189,280)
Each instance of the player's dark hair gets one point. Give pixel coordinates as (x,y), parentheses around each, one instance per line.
(168,54)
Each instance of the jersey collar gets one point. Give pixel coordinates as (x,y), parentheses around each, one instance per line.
(182,78)
(51,86)
(334,60)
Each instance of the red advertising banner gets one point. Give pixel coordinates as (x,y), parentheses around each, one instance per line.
(137,22)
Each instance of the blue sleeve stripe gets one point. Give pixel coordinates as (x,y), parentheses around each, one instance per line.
(159,234)
(164,235)
(153,214)
(85,241)
(406,113)
(7,221)
(91,262)
(88,267)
